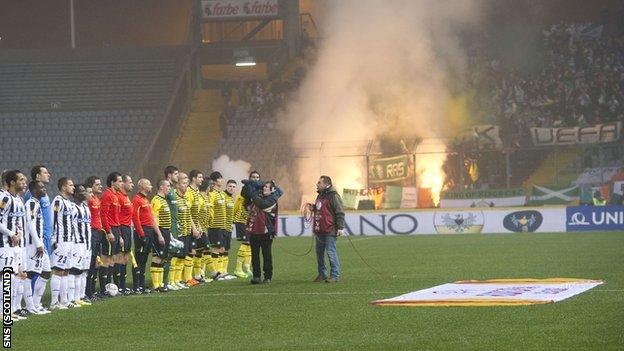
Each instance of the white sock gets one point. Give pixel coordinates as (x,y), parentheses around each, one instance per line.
(83,285)
(55,286)
(19,292)
(71,285)
(40,286)
(28,294)
(78,287)
(64,287)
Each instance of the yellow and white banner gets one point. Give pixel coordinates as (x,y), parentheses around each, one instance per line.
(495,292)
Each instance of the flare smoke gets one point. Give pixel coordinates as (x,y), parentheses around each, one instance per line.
(383,71)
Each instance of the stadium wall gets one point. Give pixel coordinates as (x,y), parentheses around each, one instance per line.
(556,219)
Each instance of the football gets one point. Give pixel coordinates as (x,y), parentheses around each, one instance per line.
(112,289)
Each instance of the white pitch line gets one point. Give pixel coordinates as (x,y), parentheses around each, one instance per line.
(278,293)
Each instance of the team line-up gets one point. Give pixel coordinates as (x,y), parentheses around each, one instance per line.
(88,234)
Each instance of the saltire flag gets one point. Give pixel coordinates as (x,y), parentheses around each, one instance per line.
(554,196)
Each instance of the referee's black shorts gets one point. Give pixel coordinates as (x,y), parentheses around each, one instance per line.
(111,248)
(126,234)
(145,243)
(96,241)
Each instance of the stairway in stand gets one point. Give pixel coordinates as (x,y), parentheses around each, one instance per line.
(200,132)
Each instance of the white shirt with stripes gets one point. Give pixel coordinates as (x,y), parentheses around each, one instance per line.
(64,229)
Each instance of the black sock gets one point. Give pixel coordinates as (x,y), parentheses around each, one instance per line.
(103,274)
(166,266)
(122,276)
(117,275)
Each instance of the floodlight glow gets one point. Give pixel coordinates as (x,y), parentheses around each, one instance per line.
(245,64)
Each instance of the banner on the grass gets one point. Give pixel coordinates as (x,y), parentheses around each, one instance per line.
(387,170)
(554,196)
(440,221)
(483,198)
(599,133)
(581,218)
(495,292)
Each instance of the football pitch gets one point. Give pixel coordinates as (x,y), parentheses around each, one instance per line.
(292,313)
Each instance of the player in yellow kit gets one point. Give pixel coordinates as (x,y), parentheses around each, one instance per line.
(203,246)
(217,226)
(183,261)
(199,216)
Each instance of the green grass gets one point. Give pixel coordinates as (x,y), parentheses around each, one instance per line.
(295,314)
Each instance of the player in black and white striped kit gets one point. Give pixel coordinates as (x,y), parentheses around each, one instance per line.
(82,247)
(63,237)
(12,229)
(37,260)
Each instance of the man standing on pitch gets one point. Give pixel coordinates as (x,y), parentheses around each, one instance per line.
(171,175)
(328,224)
(125,221)
(146,233)
(97,235)
(109,211)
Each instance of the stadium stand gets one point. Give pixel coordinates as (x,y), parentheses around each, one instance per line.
(84,112)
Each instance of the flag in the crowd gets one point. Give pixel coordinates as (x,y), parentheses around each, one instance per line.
(554,196)
(401,197)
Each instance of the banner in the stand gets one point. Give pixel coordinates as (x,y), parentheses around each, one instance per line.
(599,133)
(388,170)
(554,196)
(483,198)
(229,10)
(401,197)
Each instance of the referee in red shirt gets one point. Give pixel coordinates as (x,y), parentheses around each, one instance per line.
(97,234)
(109,211)
(146,231)
(125,221)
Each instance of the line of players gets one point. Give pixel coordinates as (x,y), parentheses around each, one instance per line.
(186,227)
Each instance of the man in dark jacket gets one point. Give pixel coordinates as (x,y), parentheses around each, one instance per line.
(262,226)
(328,224)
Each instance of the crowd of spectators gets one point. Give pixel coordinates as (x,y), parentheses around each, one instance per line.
(578,80)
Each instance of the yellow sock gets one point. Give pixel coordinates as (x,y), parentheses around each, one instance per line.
(226,262)
(204,260)
(160,274)
(173,270)
(197,267)
(178,269)
(247,263)
(211,263)
(240,258)
(221,263)
(187,272)
(156,273)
